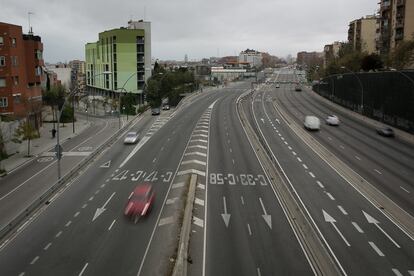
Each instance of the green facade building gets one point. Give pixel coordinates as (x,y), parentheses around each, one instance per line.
(120,61)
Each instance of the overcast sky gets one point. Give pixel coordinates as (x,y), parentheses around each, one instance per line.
(193,27)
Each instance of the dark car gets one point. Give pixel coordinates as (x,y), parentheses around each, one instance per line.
(155,111)
(386,131)
(140,202)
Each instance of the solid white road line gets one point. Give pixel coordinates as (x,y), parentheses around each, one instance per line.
(83,269)
(405,190)
(357,227)
(376,249)
(112,224)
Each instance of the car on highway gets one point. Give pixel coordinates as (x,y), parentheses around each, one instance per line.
(277,85)
(131,138)
(312,123)
(386,131)
(155,111)
(140,201)
(332,120)
(166,107)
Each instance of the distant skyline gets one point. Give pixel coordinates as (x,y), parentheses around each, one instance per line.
(199,29)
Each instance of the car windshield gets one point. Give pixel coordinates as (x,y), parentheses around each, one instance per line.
(131,135)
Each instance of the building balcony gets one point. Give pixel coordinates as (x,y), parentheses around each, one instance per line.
(399,36)
(399,24)
(400,3)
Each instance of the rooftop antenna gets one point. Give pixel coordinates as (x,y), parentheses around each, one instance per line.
(30,26)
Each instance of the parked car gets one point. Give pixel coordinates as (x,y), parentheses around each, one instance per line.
(332,120)
(298,87)
(166,107)
(131,138)
(386,131)
(312,123)
(140,201)
(155,111)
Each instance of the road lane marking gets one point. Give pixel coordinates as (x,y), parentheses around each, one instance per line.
(304,166)
(411,272)
(84,205)
(258,272)
(91,198)
(231,150)
(342,147)
(330,196)
(242,200)
(178,185)
(191,171)
(197,221)
(154,160)
(250,230)
(112,224)
(97,192)
(329,138)
(300,160)
(83,269)
(22,274)
(311,174)
(197,146)
(397,272)
(68,223)
(320,184)
(232,161)
(194,161)
(376,249)
(407,191)
(357,227)
(196,153)
(294,153)
(167,220)
(372,220)
(76,214)
(342,210)
(34,260)
(329,219)
(103,186)
(199,201)
(58,234)
(377,171)
(202,135)
(289,147)
(283,139)
(47,246)
(201,186)
(357,157)
(198,140)
(171,201)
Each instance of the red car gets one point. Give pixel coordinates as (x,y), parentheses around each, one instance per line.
(140,201)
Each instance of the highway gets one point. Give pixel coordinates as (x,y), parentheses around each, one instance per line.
(239,226)
(362,239)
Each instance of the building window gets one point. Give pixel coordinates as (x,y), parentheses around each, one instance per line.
(2,61)
(38,71)
(13,42)
(2,82)
(38,55)
(16,98)
(3,102)
(14,61)
(16,80)
(1,40)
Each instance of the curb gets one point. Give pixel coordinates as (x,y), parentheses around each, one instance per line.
(180,267)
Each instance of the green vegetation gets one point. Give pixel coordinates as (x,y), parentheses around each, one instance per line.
(128,103)
(165,84)
(54,97)
(403,55)
(25,131)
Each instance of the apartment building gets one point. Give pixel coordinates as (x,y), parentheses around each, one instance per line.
(120,61)
(21,74)
(253,57)
(362,34)
(395,23)
(78,75)
(309,58)
(330,52)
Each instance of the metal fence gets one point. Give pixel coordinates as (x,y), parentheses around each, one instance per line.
(384,96)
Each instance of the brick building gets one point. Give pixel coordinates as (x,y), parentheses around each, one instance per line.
(21,74)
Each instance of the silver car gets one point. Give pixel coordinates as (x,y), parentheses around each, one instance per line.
(131,138)
(312,123)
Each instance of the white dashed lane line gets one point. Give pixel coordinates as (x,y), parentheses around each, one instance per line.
(330,196)
(320,184)
(249,229)
(357,157)
(58,234)
(342,210)
(76,214)
(84,206)
(47,246)
(359,229)
(34,260)
(377,171)
(304,166)
(300,160)
(342,147)
(311,174)
(112,224)
(68,223)
(242,200)
(376,249)
(405,190)
(397,272)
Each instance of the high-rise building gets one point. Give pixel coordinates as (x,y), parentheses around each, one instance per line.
(395,23)
(253,57)
(330,52)
(362,33)
(120,61)
(21,73)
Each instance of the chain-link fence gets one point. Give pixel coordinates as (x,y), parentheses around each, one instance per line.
(385,96)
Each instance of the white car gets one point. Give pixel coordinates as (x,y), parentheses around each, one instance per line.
(131,138)
(332,120)
(312,123)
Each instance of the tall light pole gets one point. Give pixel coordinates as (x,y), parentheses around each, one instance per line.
(360,84)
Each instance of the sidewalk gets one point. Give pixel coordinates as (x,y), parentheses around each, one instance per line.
(42,144)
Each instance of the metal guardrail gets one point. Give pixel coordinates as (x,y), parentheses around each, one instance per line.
(45,197)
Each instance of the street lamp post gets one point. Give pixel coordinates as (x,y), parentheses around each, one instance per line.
(360,84)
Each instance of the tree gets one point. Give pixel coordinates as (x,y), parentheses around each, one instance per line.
(403,55)
(371,62)
(55,96)
(25,131)
(153,92)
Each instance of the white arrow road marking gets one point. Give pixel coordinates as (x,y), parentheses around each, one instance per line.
(99,211)
(331,220)
(370,219)
(266,217)
(225,216)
